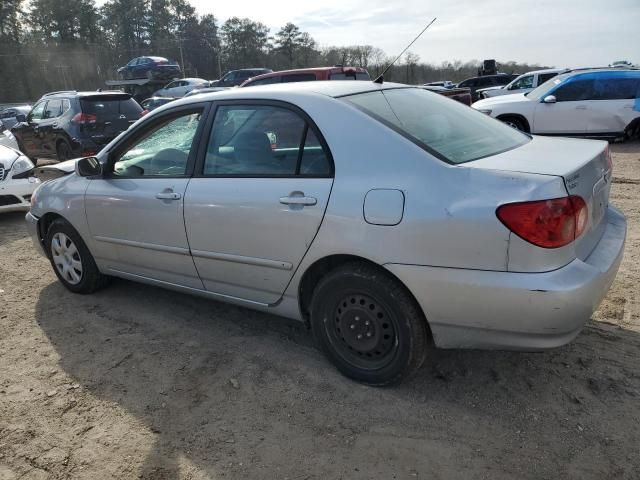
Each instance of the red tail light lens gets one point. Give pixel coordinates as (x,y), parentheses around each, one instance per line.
(83,118)
(144,112)
(546,223)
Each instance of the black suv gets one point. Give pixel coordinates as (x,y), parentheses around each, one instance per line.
(485,81)
(64,125)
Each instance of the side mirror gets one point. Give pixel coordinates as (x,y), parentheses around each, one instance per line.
(549,99)
(21,118)
(88,167)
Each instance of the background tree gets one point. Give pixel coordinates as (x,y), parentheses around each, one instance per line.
(244,43)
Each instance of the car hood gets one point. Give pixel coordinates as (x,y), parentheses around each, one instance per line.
(8,156)
(502,99)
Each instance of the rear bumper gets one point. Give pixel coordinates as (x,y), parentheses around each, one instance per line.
(34,233)
(519,311)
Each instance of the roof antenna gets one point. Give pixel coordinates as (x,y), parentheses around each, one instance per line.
(380,78)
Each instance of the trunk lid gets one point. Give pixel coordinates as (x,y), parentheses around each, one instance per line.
(583,165)
(113,115)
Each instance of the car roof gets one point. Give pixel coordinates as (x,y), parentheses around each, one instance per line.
(155,58)
(94,93)
(192,79)
(288,91)
(546,70)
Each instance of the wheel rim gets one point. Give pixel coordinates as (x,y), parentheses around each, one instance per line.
(363,332)
(66,258)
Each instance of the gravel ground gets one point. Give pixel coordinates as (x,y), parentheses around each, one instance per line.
(139,382)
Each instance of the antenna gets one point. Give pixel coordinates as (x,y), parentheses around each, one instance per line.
(380,77)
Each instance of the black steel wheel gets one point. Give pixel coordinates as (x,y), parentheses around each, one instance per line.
(368,325)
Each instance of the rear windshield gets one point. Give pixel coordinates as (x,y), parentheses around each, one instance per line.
(448,129)
(350,76)
(113,106)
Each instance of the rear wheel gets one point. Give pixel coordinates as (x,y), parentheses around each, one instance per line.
(368,325)
(72,262)
(63,151)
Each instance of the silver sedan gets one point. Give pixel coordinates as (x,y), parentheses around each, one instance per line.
(386,217)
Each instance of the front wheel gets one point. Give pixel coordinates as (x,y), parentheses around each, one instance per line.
(72,262)
(368,325)
(515,122)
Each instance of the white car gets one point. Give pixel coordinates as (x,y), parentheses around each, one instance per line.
(523,84)
(602,103)
(178,88)
(16,183)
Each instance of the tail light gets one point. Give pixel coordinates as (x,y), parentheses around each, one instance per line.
(89,153)
(144,112)
(546,223)
(84,118)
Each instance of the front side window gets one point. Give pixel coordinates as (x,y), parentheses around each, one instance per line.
(263,140)
(574,91)
(449,130)
(37,112)
(53,109)
(524,82)
(161,151)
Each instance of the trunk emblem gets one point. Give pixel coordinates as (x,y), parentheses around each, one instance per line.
(122,117)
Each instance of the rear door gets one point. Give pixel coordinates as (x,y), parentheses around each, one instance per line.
(135,212)
(106,116)
(612,107)
(570,113)
(256,202)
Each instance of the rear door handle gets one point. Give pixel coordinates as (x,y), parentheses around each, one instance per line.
(299,199)
(168,195)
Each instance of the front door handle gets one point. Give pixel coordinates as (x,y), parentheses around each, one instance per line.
(168,195)
(298,198)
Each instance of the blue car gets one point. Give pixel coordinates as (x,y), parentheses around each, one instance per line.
(149,67)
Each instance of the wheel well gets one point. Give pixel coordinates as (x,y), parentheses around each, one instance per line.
(44,223)
(516,116)
(321,267)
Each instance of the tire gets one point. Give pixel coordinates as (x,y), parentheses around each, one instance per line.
(516,123)
(368,325)
(64,151)
(71,260)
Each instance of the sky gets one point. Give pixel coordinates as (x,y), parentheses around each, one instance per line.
(559,33)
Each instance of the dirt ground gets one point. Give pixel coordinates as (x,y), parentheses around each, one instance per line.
(139,382)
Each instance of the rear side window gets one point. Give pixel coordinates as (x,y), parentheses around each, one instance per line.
(543,77)
(298,77)
(616,88)
(263,140)
(264,81)
(449,130)
(110,107)
(350,76)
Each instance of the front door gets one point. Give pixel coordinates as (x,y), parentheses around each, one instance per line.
(569,114)
(28,132)
(255,204)
(135,212)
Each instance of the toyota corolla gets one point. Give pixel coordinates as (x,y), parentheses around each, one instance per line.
(386,217)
